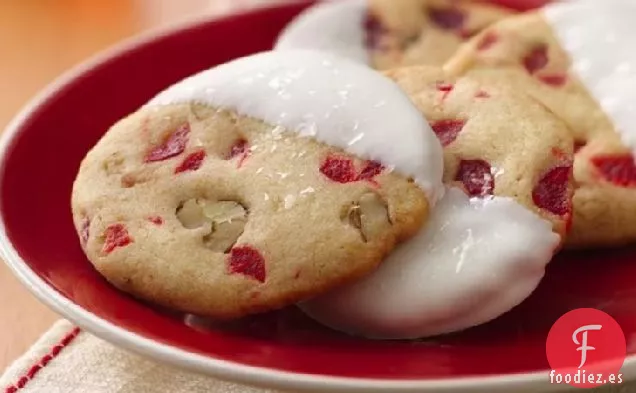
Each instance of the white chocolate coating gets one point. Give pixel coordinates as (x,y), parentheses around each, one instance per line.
(335,100)
(600,38)
(475,260)
(335,26)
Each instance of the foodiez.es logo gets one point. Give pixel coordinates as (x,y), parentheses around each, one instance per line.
(585,349)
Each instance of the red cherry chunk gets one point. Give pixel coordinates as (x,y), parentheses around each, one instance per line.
(447,18)
(116,235)
(85,230)
(447,130)
(339,169)
(157,220)
(374,30)
(476,176)
(551,193)
(239,148)
(445,89)
(619,170)
(578,145)
(247,261)
(172,146)
(371,169)
(487,41)
(556,80)
(192,162)
(536,59)
(482,94)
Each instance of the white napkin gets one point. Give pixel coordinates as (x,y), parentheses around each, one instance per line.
(67,360)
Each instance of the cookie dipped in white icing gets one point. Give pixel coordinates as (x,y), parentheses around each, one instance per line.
(335,100)
(475,260)
(336,26)
(599,37)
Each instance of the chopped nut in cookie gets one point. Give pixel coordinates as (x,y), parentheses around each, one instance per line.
(131,179)
(114,164)
(369,215)
(229,220)
(201,112)
(85,230)
(225,219)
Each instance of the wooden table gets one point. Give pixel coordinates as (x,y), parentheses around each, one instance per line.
(39,39)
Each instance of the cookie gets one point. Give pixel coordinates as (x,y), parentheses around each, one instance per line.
(427,32)
(389,33)
(582,73)
(485,248)
(475,259)
(233,193)
(496,141)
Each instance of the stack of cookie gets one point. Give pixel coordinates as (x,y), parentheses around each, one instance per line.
(422,195)
(581,72)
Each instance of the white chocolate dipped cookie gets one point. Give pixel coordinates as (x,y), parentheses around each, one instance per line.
(488,241)
(257,184)
(585,74)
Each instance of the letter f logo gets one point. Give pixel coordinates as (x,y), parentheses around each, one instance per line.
(583,343)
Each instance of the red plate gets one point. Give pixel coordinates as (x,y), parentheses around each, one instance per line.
(42,151)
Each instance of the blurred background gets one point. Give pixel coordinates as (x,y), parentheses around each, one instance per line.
(39,40)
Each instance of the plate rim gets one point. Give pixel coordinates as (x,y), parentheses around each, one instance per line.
(180,358)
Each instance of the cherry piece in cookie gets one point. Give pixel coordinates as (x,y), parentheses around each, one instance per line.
(619,170)
(447,130)
(204,240)
(482,94)
(240,149)
(445,89)
(447,18)
(174,145)
(192,162)
(476,176)
(116,235)
(487,41)
(339,169)
(157,220)
(536,59)
(551,193)
(374,31)
(489,134)
(247,261)
(555,80)
(371,169)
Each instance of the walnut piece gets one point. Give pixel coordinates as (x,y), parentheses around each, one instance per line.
(369,215)
(224,221)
